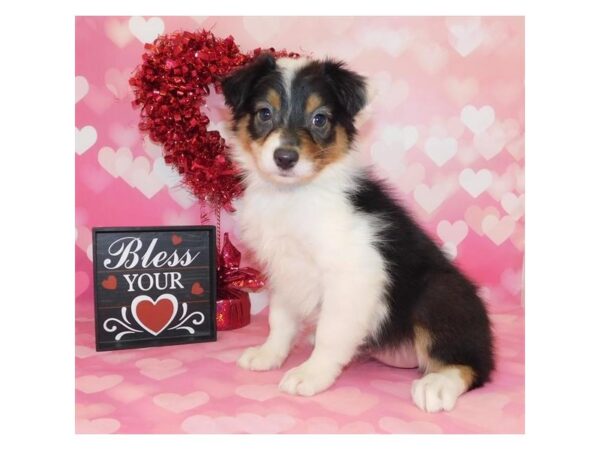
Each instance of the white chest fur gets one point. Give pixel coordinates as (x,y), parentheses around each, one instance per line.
(311,240)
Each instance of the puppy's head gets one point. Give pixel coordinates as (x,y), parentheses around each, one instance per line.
(293,117)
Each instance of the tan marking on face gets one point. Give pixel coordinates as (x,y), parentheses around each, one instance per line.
(324,156)
(312,103)
(241,131)
(274,99)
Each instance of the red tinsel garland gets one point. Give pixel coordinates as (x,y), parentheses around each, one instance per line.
(170,87)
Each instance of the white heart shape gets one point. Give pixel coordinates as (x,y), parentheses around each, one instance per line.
(513,205)
(179,403)
(146,30)
(168,174)
(478,120)
(392,40)
(387,92)
(149,184)
(118,32)
(107,160)
(84,139)
(452,233)
(475,183)
(261,28)
(430,198)
(137,171)
(466,37)
(81,87)
(461,90)
(152,148)
(182,197)
(388,158)
(404,137)
(441,150)
(498,230)
(432,57)
(144,298)
(123,160)
(490,143)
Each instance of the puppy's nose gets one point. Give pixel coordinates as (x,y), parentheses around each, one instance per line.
(285,158)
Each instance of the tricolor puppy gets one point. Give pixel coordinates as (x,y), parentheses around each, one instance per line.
(339,251)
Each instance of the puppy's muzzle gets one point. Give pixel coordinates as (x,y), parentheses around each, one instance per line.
(285,158)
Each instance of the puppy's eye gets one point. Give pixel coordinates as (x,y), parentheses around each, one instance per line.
(264,114)
(319,120)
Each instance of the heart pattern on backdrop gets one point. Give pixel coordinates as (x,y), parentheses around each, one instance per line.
(478,120)
(146,30)
(81,88)
(84,139)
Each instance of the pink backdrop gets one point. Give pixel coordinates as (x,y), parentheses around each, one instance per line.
(445,124)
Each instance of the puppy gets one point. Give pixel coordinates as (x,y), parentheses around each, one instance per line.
(339,251)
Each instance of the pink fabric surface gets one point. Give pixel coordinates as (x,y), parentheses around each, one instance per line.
(445,126)
(198,388)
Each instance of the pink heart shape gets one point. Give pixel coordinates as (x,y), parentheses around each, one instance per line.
(92,410)
(454,233)
(395,425)
(178,403)
(91,384)
(474,216)
(117,82)
(103,425)
(160,369)
(498,230)
(240,423)
(259,392)
(350,401)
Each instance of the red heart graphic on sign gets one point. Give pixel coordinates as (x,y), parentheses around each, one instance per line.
(110,282)
(154,315)
(176,239)
(197,288)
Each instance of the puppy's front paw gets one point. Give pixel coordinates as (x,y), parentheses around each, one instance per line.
(260,358)
(307,380)
(435,392)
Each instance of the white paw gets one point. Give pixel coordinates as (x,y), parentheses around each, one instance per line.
(260,358)
(436,391)
(307,380)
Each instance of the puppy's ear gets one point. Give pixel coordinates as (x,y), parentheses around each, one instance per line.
(350,88)
(238,85)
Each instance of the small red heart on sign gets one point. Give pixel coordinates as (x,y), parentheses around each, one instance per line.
(110,282)
(176,239)
(154,315)
(197,288)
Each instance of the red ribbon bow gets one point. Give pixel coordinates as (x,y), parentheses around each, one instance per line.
(234,283)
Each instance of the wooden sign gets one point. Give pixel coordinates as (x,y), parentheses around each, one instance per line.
(154,286)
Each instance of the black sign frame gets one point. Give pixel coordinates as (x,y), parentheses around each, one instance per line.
(209,326)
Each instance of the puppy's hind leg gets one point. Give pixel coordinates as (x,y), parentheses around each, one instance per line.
(453,342)
(442,383)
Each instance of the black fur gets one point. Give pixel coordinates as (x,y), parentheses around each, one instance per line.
(243,85)
(343,93)
(426,289)
(341,89)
